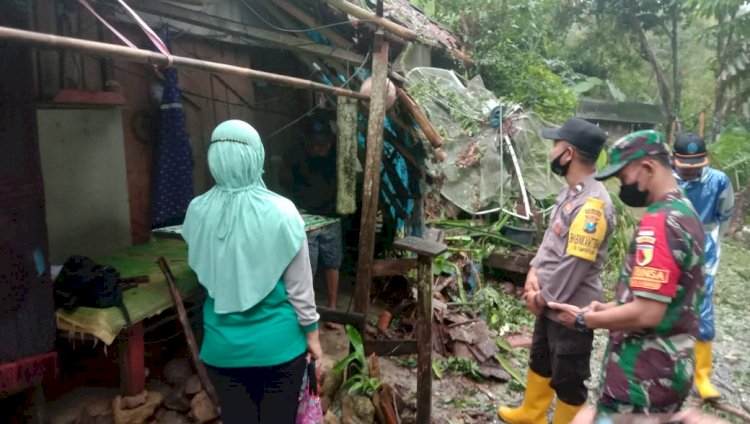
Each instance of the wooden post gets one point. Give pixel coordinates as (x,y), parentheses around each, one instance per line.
(424,341)
(672,132)
(371,185)
(132,357)
(702,124)
(426,251)
(424,123)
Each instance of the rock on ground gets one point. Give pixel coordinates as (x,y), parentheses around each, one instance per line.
(357,410)
(136,415)
(202,409)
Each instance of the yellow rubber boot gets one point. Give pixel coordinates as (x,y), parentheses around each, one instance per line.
(703,360)
(536,402)
(564,413)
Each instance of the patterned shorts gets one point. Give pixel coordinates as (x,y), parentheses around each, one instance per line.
(325,247)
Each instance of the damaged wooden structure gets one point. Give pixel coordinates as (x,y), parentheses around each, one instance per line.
(79,72)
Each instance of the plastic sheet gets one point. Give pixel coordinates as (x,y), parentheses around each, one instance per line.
(477,176)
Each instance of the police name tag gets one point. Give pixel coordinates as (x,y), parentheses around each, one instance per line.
(588,230)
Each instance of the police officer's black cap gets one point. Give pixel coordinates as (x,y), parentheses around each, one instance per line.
(580,133)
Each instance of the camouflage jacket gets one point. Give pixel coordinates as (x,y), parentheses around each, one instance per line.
(654,367)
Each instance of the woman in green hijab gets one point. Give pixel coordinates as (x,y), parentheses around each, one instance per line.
(248,247)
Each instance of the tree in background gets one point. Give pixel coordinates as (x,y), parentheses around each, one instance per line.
(731,34)
(509,41)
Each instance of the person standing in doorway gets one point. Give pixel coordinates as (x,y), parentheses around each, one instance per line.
(710,191)
(566,269)
(309,176)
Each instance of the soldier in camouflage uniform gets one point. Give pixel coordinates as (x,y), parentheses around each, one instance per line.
(653,323)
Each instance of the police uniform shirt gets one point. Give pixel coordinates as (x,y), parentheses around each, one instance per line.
(571,256)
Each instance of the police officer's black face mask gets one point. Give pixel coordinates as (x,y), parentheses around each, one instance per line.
(632,196)
(557,167)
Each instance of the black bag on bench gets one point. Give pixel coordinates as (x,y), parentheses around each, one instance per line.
(83,282)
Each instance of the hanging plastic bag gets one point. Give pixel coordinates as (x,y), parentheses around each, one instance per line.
(310,410)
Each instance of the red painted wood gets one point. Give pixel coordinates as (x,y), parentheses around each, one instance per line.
(132,360)
(27,372)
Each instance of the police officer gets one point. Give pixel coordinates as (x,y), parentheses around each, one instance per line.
(566,269)
(652,321)
(710,191)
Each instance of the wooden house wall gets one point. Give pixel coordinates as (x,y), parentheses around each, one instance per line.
(208,99)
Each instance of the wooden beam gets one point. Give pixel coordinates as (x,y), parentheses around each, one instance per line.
(392,27)
(311,22)
(112,51)
(393,267)
(518,262)
(371,185)
(341,317)
(368,16)
(227,26)
(422,121)
(390,347)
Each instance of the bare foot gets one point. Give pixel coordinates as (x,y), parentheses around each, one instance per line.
(333,326)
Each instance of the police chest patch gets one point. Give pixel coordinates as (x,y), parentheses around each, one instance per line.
(588,230)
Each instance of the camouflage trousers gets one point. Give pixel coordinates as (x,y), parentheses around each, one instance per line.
(609,406)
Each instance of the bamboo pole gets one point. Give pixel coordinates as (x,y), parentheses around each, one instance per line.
(702,123)
(392,27)
(424,123)
(371,185)
(200,368)
(112,51)
(368,16)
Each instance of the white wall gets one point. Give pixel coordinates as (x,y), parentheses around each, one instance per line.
(85,182)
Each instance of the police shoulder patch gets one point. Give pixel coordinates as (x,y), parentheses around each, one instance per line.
(588,230)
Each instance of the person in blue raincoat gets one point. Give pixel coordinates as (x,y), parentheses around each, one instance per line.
(711,193)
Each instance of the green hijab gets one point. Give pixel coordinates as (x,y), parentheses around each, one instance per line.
(241,236)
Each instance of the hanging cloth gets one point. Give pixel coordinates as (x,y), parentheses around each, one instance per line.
(173,157)
(241,236)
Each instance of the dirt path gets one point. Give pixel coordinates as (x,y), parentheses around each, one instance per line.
(732,344)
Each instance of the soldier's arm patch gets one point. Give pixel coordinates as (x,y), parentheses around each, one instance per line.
(655,269)
(588,230)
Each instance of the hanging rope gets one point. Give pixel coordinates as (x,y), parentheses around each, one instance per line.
(155,40)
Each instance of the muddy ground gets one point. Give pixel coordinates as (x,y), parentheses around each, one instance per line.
(460,400)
